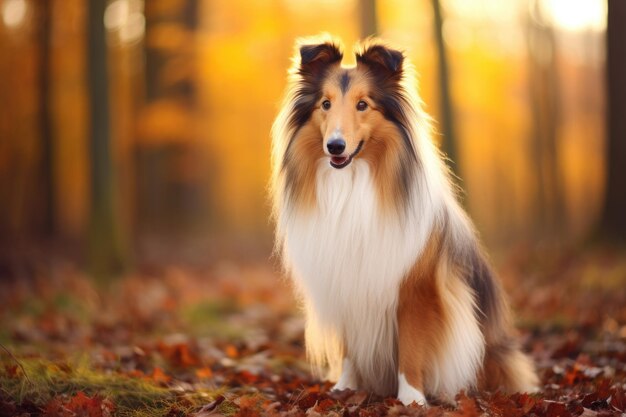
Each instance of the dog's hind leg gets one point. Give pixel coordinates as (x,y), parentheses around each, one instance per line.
(419,317)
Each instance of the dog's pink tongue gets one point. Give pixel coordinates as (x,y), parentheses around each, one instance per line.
(338,160)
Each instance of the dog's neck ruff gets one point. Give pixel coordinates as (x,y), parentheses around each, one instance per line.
(348,259)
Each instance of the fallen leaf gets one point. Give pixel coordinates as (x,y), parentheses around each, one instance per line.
(204,373)
(159,376)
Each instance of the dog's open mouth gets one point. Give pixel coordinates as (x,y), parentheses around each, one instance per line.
(343,161)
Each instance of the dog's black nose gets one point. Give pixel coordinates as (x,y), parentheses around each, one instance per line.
(336,146)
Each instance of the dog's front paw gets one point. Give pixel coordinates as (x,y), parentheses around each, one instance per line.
(341,385)
(408,394)
(347,379)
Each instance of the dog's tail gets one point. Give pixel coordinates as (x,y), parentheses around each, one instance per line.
(507,369)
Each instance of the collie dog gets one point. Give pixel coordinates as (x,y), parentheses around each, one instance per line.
(399,297)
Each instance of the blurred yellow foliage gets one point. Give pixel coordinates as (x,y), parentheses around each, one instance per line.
(208,77)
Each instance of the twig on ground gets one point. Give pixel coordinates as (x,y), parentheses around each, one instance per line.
(17,362)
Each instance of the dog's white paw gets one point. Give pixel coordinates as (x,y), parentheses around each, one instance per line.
(347,379)
(341,385)
(408,395)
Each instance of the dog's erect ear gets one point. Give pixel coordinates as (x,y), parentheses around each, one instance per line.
(381,58)
(314,58)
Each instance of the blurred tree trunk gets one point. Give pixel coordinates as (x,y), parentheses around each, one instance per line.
(369,21)
(166,201)
(613,222)
(160,59)
(449,141)
(545,107)
(106,255)
(45,119)
(154,59)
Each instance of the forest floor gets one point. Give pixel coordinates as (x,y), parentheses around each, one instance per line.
(227,340)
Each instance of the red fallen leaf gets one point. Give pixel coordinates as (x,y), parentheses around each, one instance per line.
(11,370)
(500,404)
(313,388)
(178,355)
(555,409)
(83,405)
(372,412)
(54,407)
(526,402)
(231,351)
(467,407)
(589,400)
(308,401)
(248,401)
(135,373)
(588,413)
(249,406)
(271,408)
(391,401)
(375,410)
(159,376)
(599,398)
(618,399)
(572,376)
(403,411)
(434,412)
(81,402)
(325,405)
(604,389)
(247,377)
(204,373)
(570,348)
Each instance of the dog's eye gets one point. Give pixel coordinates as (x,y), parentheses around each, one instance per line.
(361,105)
(326,104)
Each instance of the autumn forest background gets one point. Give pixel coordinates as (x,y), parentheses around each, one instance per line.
(135,243)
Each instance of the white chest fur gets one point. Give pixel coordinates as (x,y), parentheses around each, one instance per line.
(348,261)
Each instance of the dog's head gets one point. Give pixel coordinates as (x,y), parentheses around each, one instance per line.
(356,111)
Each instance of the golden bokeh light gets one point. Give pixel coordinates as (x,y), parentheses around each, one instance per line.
(577,15)
(14,13)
